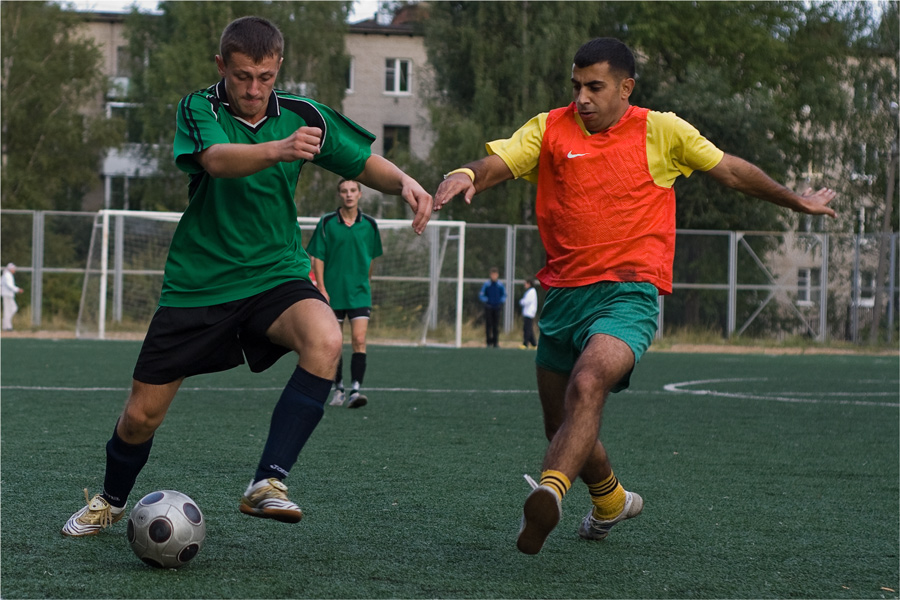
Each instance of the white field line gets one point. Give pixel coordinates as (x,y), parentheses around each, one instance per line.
(42,388)
(783,396)
(683,387)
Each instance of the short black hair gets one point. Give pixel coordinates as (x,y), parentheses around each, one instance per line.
(256,37)
(608,50)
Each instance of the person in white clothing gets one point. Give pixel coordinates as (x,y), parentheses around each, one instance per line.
(8,291)
(529,304)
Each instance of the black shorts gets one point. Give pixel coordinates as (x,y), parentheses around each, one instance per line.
(352,313)
(182,342)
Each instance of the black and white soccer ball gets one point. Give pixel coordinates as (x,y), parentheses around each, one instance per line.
(166,529)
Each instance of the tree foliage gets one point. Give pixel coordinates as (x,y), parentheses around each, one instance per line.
(767,81)
(496,65)
(173,54)
(52,148)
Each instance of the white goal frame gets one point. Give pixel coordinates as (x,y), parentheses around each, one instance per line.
(437,232)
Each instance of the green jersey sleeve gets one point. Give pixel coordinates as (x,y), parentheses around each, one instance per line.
(345,147)
(377,249)
(196,129)
(316,246)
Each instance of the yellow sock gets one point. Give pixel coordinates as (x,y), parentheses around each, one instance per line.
(608,497)
(557,482)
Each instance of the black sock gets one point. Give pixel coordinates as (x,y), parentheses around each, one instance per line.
(357,367)
(296,415)
(124,462)
(339,377)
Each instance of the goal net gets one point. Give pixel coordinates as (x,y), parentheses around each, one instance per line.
(417,285)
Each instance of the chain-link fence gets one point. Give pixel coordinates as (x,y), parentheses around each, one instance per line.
(730,284)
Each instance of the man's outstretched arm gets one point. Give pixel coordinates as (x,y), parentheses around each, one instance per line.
(488,171)
(383,175)
(746,177)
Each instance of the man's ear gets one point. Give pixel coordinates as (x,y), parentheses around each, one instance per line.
(220,64)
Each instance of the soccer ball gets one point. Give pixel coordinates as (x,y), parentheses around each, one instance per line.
(166,529)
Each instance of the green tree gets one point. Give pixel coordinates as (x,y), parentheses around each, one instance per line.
(52,145)
(172,55)
(496,65)
(763,80)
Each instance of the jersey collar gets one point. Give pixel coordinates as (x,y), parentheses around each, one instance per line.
(341,215)
(273,109)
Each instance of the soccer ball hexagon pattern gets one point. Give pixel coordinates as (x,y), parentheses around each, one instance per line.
(166,529)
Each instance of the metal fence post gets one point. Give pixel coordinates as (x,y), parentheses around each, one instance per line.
(434,274)
(118,262)
(855,292)
(823,290)
(37,266)
(892,281)
(732,283)
(508,310)
(104,273)
(460,273)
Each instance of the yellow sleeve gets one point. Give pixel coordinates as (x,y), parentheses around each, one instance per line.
(675,147)
(522,151)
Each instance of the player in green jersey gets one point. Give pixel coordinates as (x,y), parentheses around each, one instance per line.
(342,249)
(236,280)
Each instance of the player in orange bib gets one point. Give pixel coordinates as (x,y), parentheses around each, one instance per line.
(605,210)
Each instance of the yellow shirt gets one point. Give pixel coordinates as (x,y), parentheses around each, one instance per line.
(605,204)
(673,145)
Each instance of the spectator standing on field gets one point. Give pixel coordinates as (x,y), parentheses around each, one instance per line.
(493,297)
(236,280)
(529,304)
(8,291)
(605,209)
(343,248)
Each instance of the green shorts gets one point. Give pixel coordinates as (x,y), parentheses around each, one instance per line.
(570,316)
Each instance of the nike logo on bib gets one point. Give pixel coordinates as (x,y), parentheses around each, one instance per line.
(571,155)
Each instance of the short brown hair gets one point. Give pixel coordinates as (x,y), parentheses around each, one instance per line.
(343,181)
(256,37)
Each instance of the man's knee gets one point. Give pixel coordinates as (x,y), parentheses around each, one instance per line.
(137,424)
(359,343)
(329,344)
(588,390)
(145,410)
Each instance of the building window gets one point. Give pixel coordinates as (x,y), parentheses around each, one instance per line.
(808,283)
(300,88)
(396,76)
(396,139)
(127,111)
(866,284)
(123,62)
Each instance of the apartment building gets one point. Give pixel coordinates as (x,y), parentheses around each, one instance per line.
(388,82)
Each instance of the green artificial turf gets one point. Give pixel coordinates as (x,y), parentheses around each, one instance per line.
(767,477)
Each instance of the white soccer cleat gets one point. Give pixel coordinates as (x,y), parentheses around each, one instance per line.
(357,400)
(268,499)
(96,515)
(595,529)
(540,516)
(337,398)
